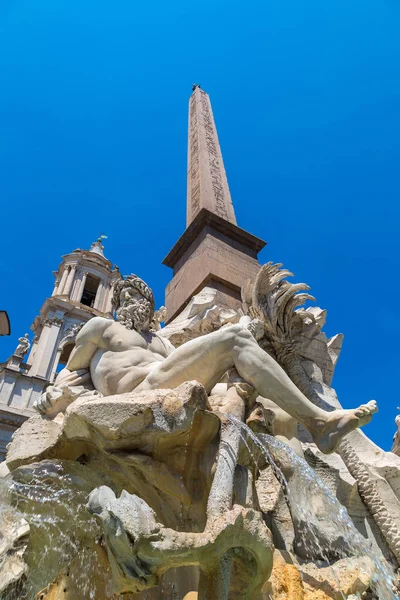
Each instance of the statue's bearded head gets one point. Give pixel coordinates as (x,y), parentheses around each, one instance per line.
(133,302)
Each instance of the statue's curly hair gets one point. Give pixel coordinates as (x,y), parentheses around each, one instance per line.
(132,281)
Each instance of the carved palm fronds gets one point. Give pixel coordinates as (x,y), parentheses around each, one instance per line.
(277,299)
(274,300)
(292,334)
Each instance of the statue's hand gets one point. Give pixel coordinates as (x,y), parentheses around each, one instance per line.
(54,400)
(256,328)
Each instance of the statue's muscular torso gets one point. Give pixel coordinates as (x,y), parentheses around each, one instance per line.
(119,359)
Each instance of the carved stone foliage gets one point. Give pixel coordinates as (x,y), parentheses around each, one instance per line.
(202,315)
(165,478)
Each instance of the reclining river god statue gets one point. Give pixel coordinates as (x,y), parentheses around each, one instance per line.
(125,355)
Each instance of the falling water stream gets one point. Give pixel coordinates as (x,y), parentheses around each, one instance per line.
(52,497)
(351,542)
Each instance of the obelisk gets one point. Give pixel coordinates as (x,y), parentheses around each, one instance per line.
(207,185)
(213,251)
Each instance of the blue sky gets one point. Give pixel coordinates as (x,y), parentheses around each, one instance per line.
(306,95)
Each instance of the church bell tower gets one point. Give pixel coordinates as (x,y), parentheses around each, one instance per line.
(83,289)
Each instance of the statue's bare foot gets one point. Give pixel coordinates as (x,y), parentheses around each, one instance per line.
(339,423)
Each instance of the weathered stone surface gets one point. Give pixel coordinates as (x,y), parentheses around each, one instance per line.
(68,583)
(285,582)
(290,581)
(210,261)
(207,182)
(136,420)
(33,441)
(202,315)
(213,251)
(345,577)
(140,549)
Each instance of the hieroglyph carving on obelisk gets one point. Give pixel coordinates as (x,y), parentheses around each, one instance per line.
(207,182)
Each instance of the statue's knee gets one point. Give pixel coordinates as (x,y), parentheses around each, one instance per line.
(244,334)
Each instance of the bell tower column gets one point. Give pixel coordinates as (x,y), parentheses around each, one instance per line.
(63,280)
(47,343)
(70,281)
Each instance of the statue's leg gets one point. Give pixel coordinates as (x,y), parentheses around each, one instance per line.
(207,358)
(285,427)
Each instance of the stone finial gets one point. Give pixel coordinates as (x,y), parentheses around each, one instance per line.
(97,246)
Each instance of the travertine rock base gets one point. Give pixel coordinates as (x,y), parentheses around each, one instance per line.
(289,581)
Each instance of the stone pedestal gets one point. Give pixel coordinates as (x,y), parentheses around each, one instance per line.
(215,253)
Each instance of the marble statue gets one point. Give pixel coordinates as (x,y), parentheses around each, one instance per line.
(23,347)
(124,356)
(141,439)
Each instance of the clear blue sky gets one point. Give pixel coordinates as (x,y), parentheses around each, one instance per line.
(306,95)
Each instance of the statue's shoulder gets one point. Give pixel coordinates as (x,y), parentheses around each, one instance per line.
(97,325)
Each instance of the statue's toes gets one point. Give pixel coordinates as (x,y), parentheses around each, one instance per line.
(371,407)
